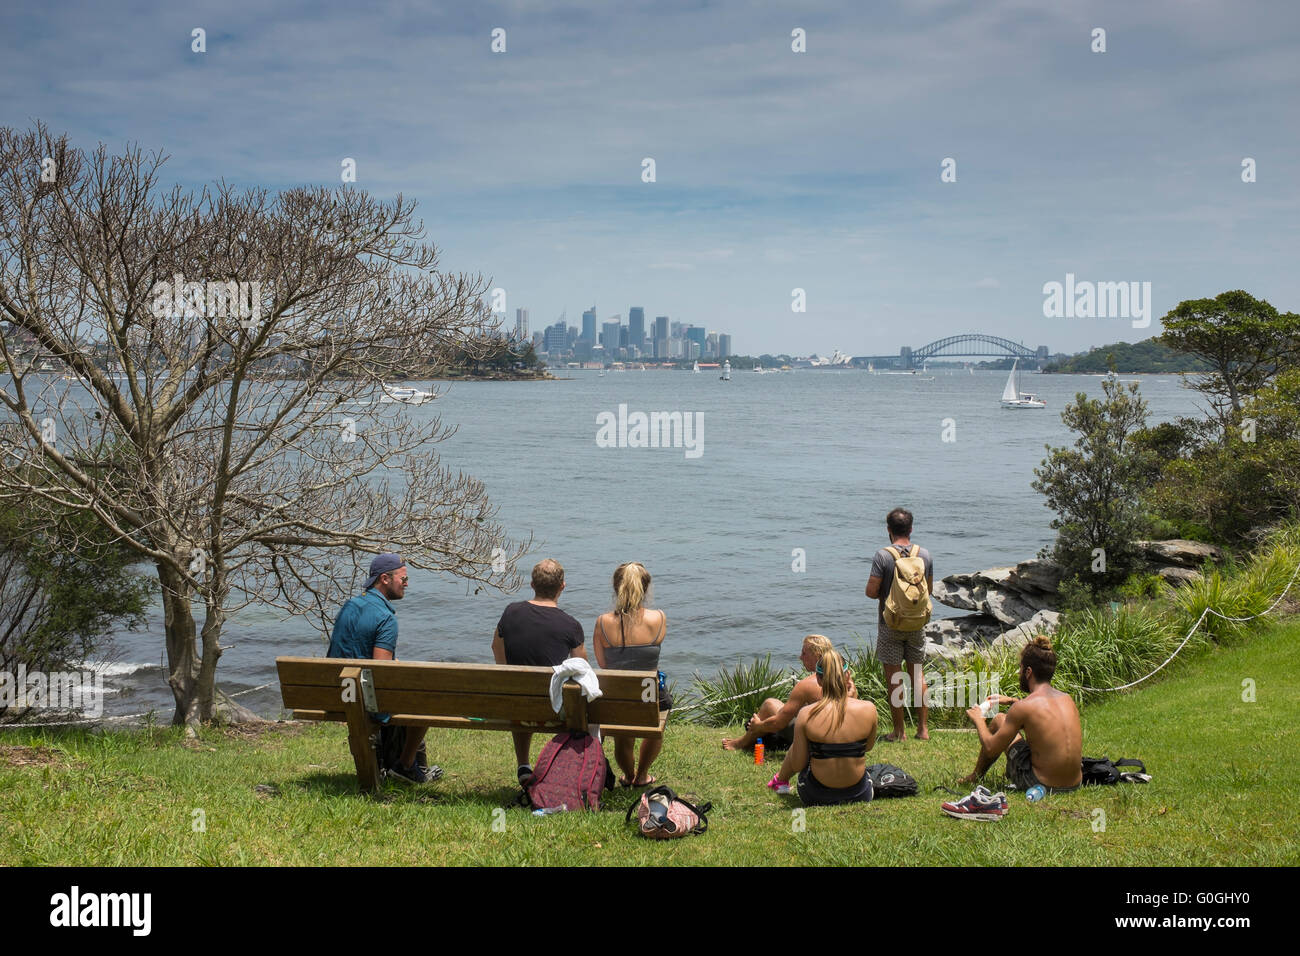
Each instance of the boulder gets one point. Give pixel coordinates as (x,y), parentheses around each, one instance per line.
(944,652)
(1178,576)
(1180,551)
(1008,607)
(1037,574)
(963,631)
(963,595)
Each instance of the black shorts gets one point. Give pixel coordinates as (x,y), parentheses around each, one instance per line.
(814,794)
(1020,769)
(782,739)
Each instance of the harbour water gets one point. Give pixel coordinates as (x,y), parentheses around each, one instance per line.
(807,462)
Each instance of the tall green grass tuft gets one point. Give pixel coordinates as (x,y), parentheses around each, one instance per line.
(708,701)
(1101,648)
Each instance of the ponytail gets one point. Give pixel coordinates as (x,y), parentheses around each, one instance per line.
(631,583)
(835,686)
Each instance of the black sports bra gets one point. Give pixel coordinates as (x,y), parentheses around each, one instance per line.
(818,750)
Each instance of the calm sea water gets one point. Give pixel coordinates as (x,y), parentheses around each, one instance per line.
(809,460)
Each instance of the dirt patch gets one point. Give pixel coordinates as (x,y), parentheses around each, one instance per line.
(19,756)
(280,728)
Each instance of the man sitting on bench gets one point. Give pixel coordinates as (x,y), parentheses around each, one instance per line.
(537,633)
(366,627)
(1050,752)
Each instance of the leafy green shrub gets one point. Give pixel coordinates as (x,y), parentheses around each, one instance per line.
(1141,585)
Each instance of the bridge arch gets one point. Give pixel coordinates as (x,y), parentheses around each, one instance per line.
(973,344)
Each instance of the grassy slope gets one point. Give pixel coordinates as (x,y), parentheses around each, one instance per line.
(1223,794)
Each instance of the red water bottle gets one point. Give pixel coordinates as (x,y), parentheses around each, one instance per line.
(758,751)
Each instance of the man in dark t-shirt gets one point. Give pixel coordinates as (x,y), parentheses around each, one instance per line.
(537,633)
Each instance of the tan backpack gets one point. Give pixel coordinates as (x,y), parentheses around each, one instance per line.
(907,606)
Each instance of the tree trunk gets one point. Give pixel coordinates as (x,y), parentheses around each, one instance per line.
(182,649)
(191,672)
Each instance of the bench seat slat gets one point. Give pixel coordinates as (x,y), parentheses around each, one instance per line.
(487,705)
(452,677)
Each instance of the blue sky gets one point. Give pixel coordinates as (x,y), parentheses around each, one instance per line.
(775,170)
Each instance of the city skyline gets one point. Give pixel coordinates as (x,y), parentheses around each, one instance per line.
(923,167)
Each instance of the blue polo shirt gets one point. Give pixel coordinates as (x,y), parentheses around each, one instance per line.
(365,622)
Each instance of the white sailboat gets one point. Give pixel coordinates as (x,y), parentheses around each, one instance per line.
(696,370)
(726,371)
(1012,397)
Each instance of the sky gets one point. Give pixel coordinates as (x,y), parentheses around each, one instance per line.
(774,170)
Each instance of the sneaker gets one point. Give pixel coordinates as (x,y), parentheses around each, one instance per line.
(415,773)
(978,805)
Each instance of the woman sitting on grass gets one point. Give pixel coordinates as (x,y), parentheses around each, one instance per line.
(831,737)
(628,638)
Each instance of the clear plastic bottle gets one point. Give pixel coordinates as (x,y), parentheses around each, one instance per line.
(1035,793)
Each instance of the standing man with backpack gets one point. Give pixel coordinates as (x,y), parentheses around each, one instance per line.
(902,577)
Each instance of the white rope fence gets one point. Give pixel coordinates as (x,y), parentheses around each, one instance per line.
(709,702)
(1208,610)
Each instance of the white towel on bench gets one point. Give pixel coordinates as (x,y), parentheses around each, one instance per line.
(578,669)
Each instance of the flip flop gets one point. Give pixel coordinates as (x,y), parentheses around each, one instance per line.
(642,786)
(624,782)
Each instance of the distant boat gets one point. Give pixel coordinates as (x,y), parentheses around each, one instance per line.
(726,371)
(871,367)
(697,368)
(1012,397)
(405,394)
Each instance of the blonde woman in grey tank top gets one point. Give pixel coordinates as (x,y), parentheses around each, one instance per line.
(629,638)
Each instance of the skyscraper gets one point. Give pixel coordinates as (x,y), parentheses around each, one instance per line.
(697,334)
(556,335)
(589,325)
(521,324)
(636,327)
(661,336)
(724,344)
(609,332)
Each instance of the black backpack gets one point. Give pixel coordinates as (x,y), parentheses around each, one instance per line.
(890,781)
(1100,772)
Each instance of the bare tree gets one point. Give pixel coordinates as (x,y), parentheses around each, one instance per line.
(203,372)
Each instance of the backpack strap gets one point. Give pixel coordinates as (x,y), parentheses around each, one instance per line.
(1131,762)
(893,551)
(915,550)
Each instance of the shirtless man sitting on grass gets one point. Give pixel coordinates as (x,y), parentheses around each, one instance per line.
(774,721)
(1050,752)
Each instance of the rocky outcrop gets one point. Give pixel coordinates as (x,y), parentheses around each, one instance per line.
(1180,552)
(1011,604)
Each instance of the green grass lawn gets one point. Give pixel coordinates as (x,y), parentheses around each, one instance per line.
(1224,794)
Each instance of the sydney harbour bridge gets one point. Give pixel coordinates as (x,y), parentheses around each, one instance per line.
(973,345)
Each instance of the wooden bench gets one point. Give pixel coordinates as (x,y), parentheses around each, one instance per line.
(467,696)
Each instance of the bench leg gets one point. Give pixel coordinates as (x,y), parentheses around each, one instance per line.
(360,727)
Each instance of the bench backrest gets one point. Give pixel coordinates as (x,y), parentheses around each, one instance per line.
(468,693)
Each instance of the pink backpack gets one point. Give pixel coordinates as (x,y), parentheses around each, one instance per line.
(570,772)
(680,819)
